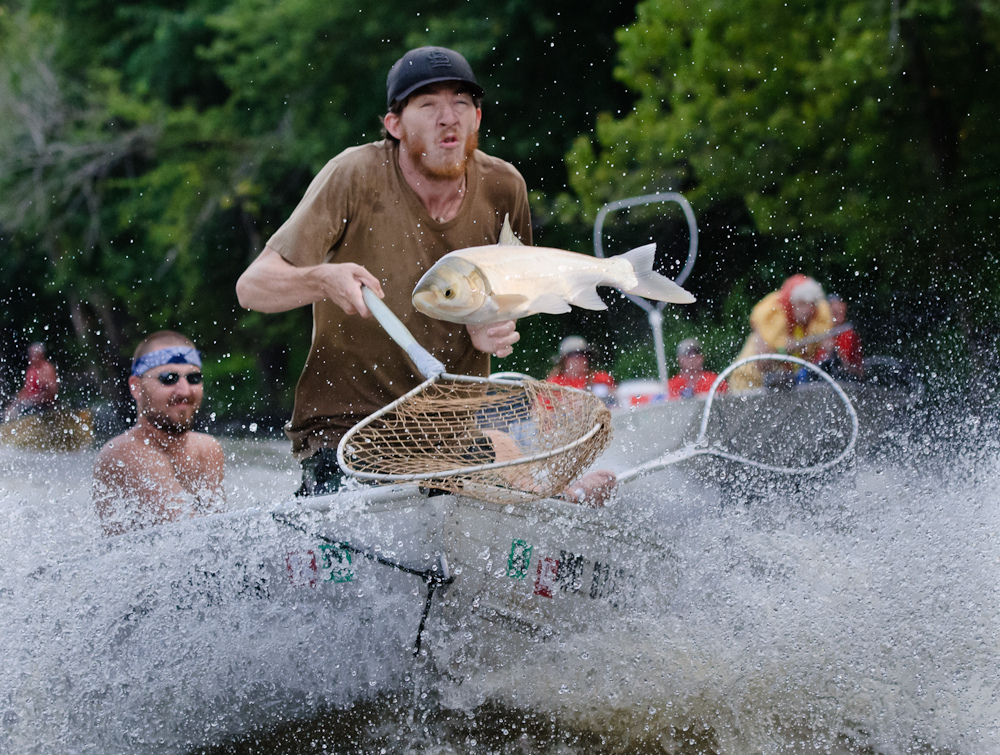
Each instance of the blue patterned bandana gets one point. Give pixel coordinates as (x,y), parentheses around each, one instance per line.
(168,355)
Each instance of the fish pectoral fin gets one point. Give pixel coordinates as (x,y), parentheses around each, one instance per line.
(550,304)
(588,299)
(509,304)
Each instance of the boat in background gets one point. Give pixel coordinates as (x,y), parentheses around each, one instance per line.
(787,425)
(50,430)
(765,424)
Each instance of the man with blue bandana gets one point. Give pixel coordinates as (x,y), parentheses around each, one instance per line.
(161,470)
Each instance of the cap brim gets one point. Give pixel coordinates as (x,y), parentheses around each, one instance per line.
(477,90)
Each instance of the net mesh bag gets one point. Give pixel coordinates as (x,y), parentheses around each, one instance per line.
(500,441)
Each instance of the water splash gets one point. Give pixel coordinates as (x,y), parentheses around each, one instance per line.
(856,615)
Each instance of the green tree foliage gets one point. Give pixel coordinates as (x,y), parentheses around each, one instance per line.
(857,135)
(312,74)
(149,149)
(116,191)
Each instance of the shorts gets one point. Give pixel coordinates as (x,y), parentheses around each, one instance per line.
(321,474)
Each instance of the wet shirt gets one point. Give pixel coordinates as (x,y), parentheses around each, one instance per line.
(601,384)
(360,209)
(684,386)
(848,347)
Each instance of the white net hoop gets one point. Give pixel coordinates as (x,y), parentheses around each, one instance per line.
(499,440)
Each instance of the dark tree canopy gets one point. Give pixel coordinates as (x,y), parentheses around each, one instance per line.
(149,148)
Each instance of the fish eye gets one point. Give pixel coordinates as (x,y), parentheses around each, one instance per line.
(449,293)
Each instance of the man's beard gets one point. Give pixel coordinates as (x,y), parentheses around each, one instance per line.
(168,425)
(447,171)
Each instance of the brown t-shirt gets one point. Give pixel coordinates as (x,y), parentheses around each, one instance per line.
(360,209)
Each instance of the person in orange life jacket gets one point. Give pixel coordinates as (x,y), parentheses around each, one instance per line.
(574,369)
(41,385)
(693,379)
(788,321)
(843,356)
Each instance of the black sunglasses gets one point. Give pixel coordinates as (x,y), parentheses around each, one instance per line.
(172,378)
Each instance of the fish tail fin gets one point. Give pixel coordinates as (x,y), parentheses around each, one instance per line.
(651,284)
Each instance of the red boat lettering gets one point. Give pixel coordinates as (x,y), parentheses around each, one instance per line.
(545,579)
(302,569)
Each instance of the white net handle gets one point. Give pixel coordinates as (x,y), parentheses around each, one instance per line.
(426,363)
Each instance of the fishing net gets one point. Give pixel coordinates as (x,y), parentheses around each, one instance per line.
(499,440)
(795,430)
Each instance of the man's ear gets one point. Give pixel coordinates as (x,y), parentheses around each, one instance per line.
(393,126)
(135,387)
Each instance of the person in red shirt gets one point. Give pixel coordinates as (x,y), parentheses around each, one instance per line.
(844,357)
(574,370)
(41,385)
(693,379)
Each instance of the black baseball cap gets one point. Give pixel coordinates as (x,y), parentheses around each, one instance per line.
(428,65)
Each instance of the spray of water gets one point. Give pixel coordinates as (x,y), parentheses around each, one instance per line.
(856,613)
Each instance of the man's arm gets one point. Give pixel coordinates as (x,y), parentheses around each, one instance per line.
(273,284)
(592,489)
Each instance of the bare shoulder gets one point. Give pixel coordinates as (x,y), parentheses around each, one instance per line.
(203,443)
(124,447)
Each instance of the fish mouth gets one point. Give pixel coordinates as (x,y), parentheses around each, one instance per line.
(426,303)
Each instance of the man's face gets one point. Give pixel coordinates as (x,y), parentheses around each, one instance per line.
(576,365)
(803,312)
(169,406)
(691,362)
(438,129)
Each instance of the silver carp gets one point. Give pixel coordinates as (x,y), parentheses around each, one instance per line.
(507,281)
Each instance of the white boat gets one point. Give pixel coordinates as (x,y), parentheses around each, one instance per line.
(177,637)
(170,638)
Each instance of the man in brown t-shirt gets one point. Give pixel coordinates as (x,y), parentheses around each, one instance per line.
(380,215)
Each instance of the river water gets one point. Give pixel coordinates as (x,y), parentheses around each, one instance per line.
(857,615)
